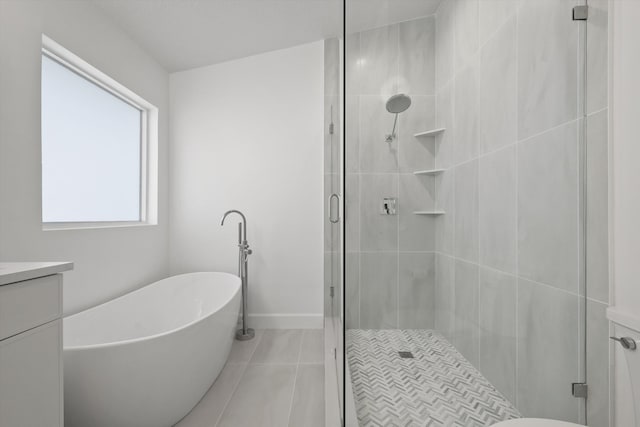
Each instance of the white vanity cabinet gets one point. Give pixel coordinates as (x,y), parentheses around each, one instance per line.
(31,376)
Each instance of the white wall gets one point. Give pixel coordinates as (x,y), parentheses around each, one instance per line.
(108,262)
(625,202)
(248,135)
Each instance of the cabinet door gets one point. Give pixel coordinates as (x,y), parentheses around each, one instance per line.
(31,378)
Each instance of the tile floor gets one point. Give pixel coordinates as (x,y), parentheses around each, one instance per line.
(438,387)
(276,379)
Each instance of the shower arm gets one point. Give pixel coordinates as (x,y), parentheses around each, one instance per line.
(392,135)
(395,122)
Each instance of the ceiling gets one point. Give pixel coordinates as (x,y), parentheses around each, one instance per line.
(185,34)
(368,14)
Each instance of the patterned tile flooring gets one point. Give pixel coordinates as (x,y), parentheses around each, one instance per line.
(438,387)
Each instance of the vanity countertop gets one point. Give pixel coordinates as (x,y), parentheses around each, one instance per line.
(11,272)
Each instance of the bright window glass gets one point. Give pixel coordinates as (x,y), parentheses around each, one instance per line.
(91,150)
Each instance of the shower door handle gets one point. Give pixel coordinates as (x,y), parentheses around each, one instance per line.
(334,198)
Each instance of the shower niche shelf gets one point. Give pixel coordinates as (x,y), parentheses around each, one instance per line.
(432,213)
(429,172)
(432,132)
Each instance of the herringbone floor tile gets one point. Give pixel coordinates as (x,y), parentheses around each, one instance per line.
(438,387)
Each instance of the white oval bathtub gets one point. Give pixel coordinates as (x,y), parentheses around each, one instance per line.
(145,359)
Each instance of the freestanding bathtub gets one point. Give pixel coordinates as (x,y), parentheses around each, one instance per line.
(145,359)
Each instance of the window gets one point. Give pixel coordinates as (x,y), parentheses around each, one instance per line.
(97,141)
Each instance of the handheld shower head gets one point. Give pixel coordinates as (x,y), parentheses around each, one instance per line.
(397,104)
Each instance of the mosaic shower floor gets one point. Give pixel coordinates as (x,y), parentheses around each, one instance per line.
(437,387)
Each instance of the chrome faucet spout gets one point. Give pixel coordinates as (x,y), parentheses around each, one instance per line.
(244,221)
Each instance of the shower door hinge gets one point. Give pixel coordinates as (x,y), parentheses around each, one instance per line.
(580,13)
(331,291)
(579,390)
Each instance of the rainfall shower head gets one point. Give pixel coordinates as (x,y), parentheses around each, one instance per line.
(395,105)
(398,103)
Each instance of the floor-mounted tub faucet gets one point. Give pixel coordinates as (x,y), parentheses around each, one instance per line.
(245,333)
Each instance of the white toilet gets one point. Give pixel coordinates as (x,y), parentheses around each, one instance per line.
(633,363)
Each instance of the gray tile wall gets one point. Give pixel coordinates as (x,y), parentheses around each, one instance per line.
(390,260)
(508,91)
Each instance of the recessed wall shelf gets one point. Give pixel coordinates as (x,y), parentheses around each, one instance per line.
(429,213)
(429,172)
(432,132)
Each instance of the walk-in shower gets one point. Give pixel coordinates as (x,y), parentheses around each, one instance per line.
(492,270)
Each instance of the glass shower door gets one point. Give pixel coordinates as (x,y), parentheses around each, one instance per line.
(466,228)
(333,226)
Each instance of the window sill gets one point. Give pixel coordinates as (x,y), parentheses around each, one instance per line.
(57,226)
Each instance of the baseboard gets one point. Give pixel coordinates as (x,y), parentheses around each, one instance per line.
(286,321)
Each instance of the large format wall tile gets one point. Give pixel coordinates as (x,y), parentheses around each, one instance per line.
(417,56)
(466,114)
(378,290)
(498,90)
(466,328)
(416,232)
(352,212)
(497,210)
(416,153)
(493,14)
(379,61)
(597,208)
(352,128)
(597,51)
(445,50)
(444,295)
(353,64)
(598,364)
(548,351)
(466,211)
(548,208)
(466,31)
(352,290)
(445,142)
(416,290)
(445,201)
(547,66)
(377,232)
(376,155)
(497,317)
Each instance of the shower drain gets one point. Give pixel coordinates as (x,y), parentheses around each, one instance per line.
(405,354)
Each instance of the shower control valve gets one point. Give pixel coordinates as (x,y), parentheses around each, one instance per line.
(388,206)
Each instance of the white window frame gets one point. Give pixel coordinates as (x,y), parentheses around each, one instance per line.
(148,138)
